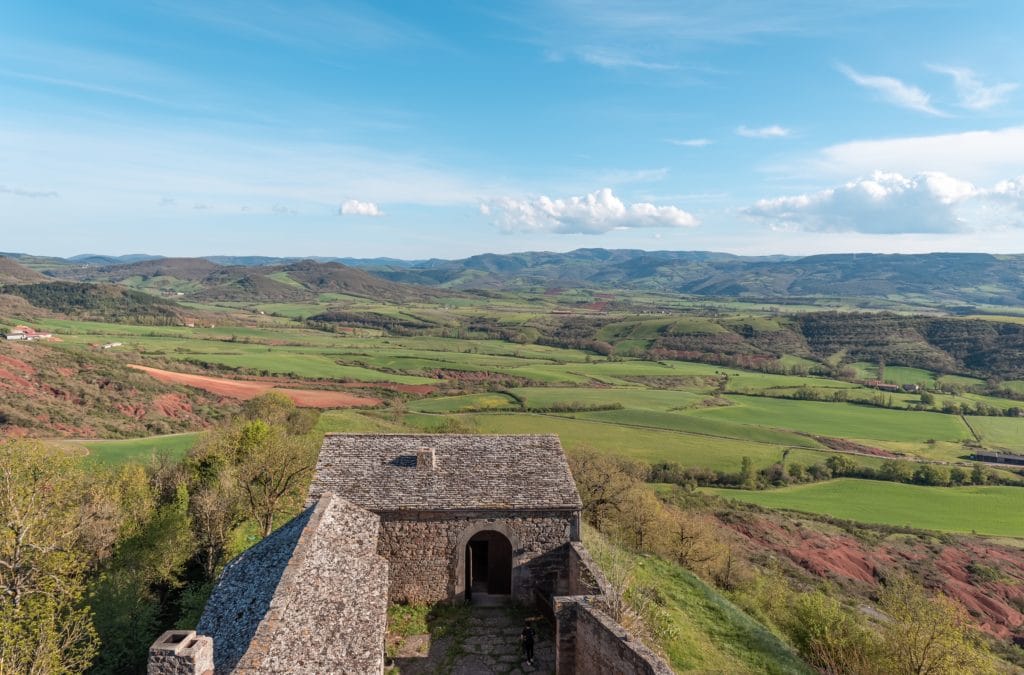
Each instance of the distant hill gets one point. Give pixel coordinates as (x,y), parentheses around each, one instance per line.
(97,301)
(949,281)
(94,259)
(946,279)
(13,273)
(204,280)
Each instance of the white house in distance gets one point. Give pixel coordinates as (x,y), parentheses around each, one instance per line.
(26,333)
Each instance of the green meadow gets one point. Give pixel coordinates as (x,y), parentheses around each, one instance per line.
(139,449)
(992,510)
(841,420)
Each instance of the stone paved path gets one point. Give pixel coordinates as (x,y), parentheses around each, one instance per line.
(488,645)
(492,645)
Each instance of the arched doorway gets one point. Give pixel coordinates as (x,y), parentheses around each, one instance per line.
(488,557)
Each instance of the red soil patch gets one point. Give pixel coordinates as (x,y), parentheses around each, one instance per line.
(17,364)
(173,405)
(993,604)
(246,389)
(8,378)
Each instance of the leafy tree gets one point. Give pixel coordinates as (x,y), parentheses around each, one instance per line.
(44,627)
(833,638)
(272,469)
(748,477)
(929,474)
(602,483)
(277,409)
(979,474)
(927,634)
(895,470)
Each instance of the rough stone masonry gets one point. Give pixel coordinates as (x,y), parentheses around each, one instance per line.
(406,518)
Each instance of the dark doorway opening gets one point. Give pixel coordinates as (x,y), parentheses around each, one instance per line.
(488,564)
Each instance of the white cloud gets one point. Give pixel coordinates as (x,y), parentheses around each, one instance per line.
(690,142)
(595,213)
(973,94)
(894,91)
(978,156)
(354,207)
(890,203)
(773,131)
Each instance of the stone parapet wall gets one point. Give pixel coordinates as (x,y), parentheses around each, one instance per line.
(426,550)
(589,641)
(586,639)
(585,577)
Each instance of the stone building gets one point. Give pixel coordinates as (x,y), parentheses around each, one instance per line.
(408,518)
(459,514)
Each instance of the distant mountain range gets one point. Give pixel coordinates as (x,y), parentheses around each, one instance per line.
(947,280)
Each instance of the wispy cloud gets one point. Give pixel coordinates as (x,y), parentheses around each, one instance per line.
(319,27)
(31,194)
(690,142)
(354,207)
(773,131)
(610,59)
(972,92)
(594,213)
(894,91)
(979,156)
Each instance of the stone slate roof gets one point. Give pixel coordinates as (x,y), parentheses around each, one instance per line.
(288,604)
(379,472)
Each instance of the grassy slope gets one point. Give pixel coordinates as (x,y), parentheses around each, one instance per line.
(712,634)
(994,510)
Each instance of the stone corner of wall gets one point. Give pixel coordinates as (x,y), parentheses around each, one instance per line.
(181,652)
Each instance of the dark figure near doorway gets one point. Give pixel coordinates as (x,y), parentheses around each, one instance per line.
(527,637)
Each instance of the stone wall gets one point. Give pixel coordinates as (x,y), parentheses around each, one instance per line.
(586,639)
(426,550)
(589,641)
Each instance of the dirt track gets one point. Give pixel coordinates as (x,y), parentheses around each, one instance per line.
(246,389)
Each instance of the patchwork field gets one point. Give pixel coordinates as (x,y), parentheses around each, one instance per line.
(991,510)
(247,389)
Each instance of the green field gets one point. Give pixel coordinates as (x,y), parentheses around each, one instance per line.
(993,510)
(649,445)
(842,420)
(139,449)
(1000,432)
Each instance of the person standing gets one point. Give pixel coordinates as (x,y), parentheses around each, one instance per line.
(527,639)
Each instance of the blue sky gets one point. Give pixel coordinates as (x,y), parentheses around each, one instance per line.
(415,129)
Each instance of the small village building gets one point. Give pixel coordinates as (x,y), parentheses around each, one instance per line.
(27,334)
(994,457)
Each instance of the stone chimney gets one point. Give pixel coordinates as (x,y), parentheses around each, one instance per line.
(181,652)
(426,460)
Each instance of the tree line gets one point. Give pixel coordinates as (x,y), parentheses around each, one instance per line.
(95,563)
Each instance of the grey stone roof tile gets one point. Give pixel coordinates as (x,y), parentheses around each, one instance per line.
(379,472)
